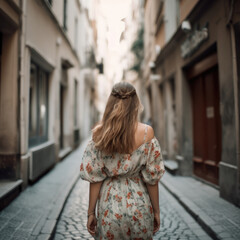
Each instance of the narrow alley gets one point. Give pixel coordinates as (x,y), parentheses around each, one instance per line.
(56,208)
(179,64)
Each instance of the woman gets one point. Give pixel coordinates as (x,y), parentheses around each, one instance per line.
(123,164)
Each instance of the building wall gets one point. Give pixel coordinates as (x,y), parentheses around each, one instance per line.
(171,65)
(53,53)
(44,48)
(229,162)
(149,31)
(9,128)
(186,7)
(57,8)
(171,17)
(150,12)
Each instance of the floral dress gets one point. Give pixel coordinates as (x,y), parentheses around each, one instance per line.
(124,208)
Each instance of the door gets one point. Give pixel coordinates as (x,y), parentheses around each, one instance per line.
(170,122)
(61,137)
(206,125)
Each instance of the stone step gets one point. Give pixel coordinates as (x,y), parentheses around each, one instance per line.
(9,190)
(64,153)
(171,166)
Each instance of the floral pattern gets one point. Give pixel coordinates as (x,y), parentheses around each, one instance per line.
(124,208)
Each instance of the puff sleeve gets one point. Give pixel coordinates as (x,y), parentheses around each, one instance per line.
(92,166)
(154,168)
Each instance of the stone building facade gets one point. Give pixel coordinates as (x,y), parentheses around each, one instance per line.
(192,77)
(47,86)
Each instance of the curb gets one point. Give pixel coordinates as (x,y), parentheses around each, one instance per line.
(210,226)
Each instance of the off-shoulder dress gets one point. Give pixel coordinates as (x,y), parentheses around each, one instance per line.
(124,208)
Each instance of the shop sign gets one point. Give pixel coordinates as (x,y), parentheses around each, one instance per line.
(193,42)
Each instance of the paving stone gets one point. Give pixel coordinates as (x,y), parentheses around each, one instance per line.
(43,237)
(49,226)
(26,225)
(21,234)
(15,223)
(58,237)
(7,231)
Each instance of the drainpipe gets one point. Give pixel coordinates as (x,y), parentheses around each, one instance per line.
(22,98)
(235,86)
(21,76)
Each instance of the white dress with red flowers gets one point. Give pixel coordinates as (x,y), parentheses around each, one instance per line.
(124,207)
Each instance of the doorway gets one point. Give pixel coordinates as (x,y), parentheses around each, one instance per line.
(206,125)
(170,118)
(61,137)
(62,102)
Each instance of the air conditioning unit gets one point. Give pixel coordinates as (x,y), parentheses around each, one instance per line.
(42,158)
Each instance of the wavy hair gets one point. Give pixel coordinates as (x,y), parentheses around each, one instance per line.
(116,131)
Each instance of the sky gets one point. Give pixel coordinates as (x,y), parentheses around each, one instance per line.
(115,11)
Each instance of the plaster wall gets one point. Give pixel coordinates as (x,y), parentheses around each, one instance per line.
(9,96)
(44,38)
(9,114)
(57,7)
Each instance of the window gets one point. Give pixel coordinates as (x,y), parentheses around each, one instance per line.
(76,35)
(38,105)
(65,14)
(76,103)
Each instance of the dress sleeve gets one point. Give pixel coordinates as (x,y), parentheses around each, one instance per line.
(154,168)
(92,166)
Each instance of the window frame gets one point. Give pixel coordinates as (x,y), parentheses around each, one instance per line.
(76,34)
(65,3)
(76,95)
(37,139)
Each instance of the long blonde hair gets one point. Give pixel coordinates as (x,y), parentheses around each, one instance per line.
(116,131)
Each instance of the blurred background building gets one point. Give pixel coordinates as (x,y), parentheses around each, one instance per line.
(60,58)
(191,69)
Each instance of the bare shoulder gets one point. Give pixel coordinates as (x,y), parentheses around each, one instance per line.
(150,133)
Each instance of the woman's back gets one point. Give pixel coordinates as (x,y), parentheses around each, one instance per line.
(121,162)
(124,209)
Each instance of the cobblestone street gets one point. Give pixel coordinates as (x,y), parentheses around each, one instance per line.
(33,215)
(176,223)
